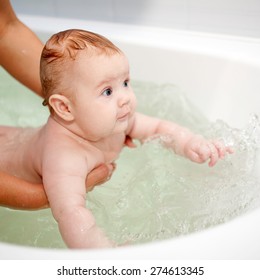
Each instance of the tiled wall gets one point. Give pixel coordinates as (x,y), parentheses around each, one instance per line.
(236,17)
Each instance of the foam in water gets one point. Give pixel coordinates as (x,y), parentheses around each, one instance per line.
(154,194)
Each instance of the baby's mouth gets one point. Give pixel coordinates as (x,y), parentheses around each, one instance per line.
(123,116)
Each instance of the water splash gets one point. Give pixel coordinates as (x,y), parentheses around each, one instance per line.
(245,141)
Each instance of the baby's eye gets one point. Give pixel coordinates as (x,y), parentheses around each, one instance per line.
(107,92)
(126,83)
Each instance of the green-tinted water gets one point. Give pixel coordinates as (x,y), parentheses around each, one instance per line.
(153,194)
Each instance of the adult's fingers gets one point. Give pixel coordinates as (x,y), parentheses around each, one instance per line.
(99,175)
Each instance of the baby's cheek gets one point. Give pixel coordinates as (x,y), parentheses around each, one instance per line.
(133,103)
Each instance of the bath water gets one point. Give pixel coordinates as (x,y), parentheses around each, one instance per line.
(153,194)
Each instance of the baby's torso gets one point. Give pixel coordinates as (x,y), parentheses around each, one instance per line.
(106,151)
(22,150)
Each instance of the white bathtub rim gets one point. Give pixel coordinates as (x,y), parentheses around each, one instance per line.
(244,49)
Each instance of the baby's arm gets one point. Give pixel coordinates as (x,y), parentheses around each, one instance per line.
(180,139)
(64,183)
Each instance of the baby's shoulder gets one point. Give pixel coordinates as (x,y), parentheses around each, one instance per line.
(74,149)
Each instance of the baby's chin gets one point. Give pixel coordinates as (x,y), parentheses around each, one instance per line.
(121,126)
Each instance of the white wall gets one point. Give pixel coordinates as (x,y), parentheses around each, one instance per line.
(236,17)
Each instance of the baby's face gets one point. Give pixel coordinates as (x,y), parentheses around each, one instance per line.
(104,101)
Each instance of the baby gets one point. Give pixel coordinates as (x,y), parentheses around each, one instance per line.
(86,84)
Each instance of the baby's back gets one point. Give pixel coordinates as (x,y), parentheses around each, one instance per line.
(16,145)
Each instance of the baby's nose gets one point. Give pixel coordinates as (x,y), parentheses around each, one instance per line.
(124,99)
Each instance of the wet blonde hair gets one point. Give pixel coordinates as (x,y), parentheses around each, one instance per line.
(62,48)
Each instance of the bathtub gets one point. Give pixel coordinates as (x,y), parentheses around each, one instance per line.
(221,75)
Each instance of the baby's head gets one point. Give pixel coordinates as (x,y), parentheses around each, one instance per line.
(59,53)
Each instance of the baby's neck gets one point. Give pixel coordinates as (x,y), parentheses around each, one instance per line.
(110,143)
(67,128)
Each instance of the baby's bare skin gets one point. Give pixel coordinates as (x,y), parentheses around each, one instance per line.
(21,150)
(18,151)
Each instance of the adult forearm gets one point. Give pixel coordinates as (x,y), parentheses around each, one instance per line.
(19,194)
(20,49)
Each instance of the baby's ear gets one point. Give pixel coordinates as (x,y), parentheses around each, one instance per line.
(62,106)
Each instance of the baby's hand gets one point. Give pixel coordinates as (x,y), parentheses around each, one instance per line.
(199,150)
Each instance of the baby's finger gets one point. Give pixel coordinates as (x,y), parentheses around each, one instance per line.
(214,154)
(230,150)
(223,150)
(220,148)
